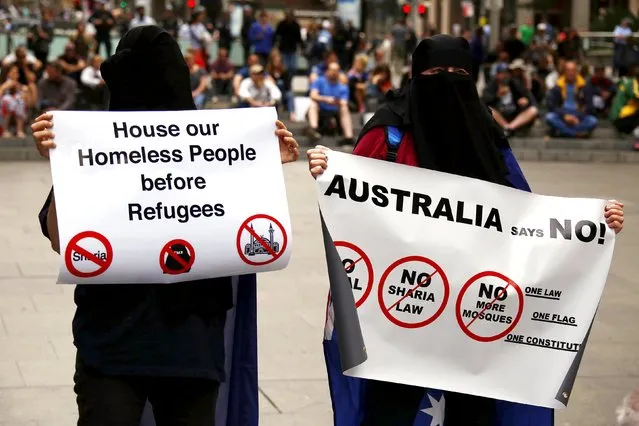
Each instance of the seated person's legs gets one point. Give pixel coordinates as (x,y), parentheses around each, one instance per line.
(329,122)
(199,100)
(360,96)
(558,125)
(499,117)
(15,112)
(587,123)
(289,104)
(313,119)
(524,118)
(628,124)
(346,123)
(222,87)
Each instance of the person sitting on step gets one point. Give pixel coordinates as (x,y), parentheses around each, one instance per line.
(329,101)
(571,111)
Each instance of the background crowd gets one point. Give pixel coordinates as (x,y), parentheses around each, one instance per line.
(536,74)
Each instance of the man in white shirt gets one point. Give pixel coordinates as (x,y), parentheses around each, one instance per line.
(259,91)
(141,18)
(620,57)
(94,87)
(91,76)
(623,31)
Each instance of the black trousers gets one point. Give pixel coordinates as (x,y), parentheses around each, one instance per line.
(392,404)
(106,40)
(627,124)
(120,400)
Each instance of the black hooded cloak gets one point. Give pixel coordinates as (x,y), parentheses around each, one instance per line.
(454,133)
(164,330)
(452,129)
(148,73)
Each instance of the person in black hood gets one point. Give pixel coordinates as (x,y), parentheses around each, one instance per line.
(164,343)
(436,122)
(447,126)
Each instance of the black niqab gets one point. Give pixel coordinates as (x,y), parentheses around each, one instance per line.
(148,73)
(449,122)
(452,130)
(163,330)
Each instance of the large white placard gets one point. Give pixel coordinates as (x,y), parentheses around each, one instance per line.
(463,285)
(163,197)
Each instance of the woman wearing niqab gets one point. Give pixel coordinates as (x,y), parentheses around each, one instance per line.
(163,343)
(436,122)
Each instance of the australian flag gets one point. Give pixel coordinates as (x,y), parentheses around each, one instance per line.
(347,393)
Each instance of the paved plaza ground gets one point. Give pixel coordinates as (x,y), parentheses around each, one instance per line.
(37,354)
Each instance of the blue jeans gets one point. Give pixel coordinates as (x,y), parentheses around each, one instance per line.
(199,100)
(290,62)
(289,102)
(586,124)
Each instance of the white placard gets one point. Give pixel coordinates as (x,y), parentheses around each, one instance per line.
(163,197)
(464,285)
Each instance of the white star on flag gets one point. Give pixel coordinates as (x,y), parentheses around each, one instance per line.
(436,410)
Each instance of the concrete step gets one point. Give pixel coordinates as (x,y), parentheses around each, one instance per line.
(576,156)
(526,149)
(16,142)
(544,143)
(601,132)
(604,130)
(20,153)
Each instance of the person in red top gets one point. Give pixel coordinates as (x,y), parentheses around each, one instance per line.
(437,122)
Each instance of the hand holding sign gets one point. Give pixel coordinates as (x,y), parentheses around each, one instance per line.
(614,215)
(317,160)
(42,134)
(289,148)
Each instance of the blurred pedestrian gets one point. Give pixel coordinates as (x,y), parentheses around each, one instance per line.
(288,39)
(198,37)
(261,36)
(103,21)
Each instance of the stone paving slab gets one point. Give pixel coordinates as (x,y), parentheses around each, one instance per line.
(36,347)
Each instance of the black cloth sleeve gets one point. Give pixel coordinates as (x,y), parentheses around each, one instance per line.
(44,212)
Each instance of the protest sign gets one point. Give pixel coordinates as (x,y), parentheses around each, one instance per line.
(460,284)
(163,197)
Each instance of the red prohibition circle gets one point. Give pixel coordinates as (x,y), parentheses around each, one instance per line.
(393,266)
(369,268)
(166,251)
(245,227)
(73,246)
(463,290)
